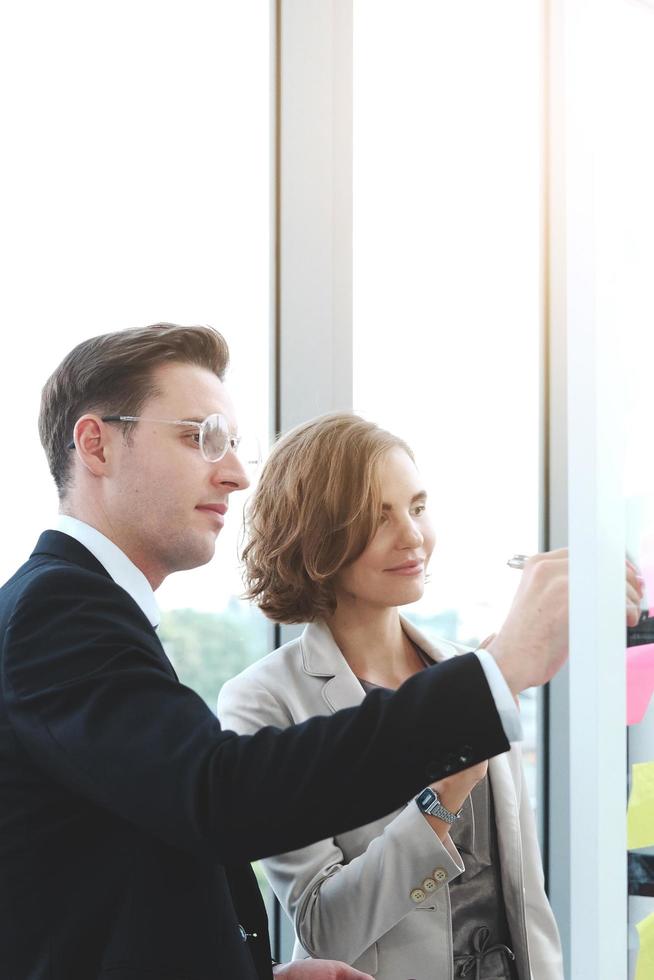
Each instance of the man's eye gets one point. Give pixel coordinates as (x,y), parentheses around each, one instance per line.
(194,437)
(419,509)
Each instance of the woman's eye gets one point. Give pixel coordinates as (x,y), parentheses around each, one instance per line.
(420,509)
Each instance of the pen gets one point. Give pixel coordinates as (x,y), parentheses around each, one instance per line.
(518,561)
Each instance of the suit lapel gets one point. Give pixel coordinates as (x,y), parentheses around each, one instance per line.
(59,545)
(506,805)
(321,657)
(55,544)
(507,823)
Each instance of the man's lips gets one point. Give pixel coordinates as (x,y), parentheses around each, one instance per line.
(407,568)
(218,510)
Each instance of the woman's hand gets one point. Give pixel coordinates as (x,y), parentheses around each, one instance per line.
(453,792)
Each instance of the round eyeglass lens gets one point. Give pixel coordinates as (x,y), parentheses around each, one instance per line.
(215,437)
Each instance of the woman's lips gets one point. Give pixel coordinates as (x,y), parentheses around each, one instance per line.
(408,568)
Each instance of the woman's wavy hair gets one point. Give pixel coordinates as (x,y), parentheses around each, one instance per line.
(314,511)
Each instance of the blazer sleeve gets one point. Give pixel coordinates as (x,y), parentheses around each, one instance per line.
(545,953)
(341,908)
(94,704)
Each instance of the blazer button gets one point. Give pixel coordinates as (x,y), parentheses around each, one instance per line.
(429,884)
(418,896)
(440,874)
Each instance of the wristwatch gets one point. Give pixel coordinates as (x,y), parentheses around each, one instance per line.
(428,802)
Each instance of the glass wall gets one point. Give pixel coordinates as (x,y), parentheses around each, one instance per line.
(626,170)
(447,215)
(135,187)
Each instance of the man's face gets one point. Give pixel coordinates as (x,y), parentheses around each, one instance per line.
(165,505)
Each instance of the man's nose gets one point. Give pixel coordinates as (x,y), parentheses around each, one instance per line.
(230,472)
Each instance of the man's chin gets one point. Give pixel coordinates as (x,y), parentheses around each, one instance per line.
(196,557)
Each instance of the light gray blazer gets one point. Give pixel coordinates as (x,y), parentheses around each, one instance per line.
(350,897)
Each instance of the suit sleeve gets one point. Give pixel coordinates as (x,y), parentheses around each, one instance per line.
(93,703)
(329,899)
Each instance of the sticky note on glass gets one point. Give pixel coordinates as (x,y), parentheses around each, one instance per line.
(640,681)
(645,962)
(640,812)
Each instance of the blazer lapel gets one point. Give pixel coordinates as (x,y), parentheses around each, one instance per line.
(58,545)
(55,544)
(507,816)
(507,822)
(321,657)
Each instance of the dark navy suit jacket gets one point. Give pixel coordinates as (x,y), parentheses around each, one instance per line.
(128,817)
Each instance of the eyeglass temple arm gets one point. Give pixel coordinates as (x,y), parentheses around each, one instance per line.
(139,418)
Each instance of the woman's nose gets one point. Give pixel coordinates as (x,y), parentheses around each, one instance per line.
(411,535)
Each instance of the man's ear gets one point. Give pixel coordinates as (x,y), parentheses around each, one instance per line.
(90,437)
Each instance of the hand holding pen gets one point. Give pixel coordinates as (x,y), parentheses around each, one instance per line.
(532,643)
(635,586)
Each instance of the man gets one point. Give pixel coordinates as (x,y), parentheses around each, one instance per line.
(128,818)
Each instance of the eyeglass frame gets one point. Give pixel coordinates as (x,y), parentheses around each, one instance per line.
(232,442)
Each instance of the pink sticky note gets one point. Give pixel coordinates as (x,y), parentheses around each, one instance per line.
(640,681)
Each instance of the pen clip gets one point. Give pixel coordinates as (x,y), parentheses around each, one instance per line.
(517,561)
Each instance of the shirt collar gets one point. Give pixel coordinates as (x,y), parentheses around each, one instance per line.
(123,571)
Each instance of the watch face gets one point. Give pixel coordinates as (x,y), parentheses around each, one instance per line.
(426,798)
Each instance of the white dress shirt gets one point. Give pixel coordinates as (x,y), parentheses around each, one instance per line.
(123,571)
(504,702)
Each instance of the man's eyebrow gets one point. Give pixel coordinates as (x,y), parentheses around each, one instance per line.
(421,495)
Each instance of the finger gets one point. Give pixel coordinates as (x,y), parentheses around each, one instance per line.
(634,595)
(636,583)
(633,614)
(546,571)
(640,585)
(552,566)
(550,555)
(633,567)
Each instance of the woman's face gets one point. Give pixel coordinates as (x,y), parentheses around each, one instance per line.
(391,569)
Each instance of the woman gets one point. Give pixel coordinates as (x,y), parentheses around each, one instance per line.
(339,538)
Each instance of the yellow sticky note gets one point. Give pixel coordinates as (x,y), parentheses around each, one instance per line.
(640,813)
(645,964)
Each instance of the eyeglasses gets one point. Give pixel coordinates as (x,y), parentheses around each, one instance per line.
(214,437)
